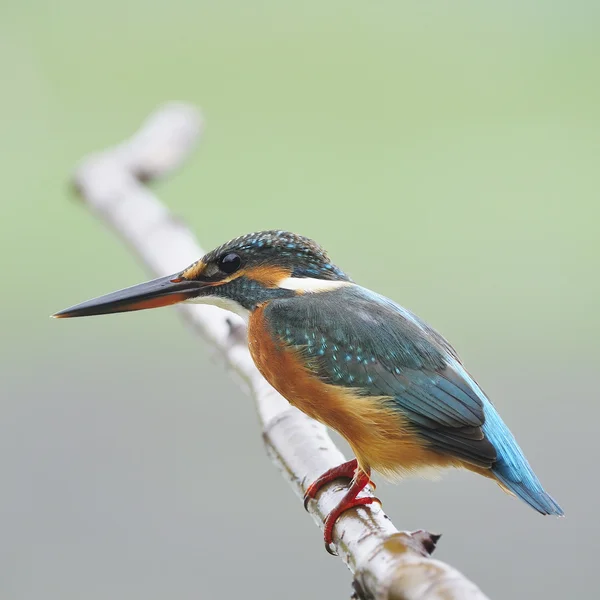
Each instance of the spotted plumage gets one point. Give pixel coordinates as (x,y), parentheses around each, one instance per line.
(351,358)
(302,256)
(352,342)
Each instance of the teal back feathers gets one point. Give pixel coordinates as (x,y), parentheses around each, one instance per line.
(356,338)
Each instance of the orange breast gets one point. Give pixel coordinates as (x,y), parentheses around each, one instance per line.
(378,434)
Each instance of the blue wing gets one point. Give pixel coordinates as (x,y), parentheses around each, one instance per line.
(359,339)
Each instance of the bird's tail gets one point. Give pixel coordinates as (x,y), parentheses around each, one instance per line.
(512,469)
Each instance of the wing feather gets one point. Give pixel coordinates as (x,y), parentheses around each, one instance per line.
(355,338)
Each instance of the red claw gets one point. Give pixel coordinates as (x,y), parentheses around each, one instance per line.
(345,470)
(348,501)
(359,479)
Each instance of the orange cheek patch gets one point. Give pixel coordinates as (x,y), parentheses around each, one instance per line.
(194,271)
(268,276)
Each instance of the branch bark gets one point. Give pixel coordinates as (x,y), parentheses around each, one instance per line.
(387,564)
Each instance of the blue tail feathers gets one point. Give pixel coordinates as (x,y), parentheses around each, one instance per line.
(512,468)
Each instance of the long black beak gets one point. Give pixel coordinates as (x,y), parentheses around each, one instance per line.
(152,294)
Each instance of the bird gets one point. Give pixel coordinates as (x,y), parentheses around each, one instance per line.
(352,359)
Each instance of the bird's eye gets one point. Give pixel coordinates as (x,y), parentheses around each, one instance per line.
(229,263)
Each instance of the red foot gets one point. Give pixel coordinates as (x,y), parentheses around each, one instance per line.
(359,481)
(346,504)
(345,470)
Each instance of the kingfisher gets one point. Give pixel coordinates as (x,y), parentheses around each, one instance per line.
(350,358)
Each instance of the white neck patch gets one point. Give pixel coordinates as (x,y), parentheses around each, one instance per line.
(310,284)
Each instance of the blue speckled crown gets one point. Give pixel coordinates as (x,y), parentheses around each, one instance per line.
(304,256)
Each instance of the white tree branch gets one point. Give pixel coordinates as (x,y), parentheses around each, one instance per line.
(387,564)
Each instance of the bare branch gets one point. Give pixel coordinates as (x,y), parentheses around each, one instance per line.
(387,564)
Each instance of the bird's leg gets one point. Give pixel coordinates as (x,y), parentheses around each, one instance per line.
(359,480)
(345,470)
(350,500)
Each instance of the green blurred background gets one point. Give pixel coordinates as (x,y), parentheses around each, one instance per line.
(445,153)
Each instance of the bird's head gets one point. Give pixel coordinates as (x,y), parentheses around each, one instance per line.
(238,276)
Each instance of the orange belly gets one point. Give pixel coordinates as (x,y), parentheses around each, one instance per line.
(378,434)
